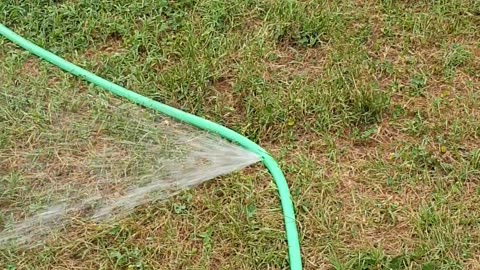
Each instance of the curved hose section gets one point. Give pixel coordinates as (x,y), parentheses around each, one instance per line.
(201,123)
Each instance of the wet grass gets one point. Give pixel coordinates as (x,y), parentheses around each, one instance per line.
(372,109)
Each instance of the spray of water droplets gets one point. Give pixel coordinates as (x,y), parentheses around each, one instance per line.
(96,164)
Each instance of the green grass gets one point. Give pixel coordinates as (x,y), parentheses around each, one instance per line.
(372,109)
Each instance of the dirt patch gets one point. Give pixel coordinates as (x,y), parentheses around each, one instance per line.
(31,67)
(223,89)
(294,62)
(113,46)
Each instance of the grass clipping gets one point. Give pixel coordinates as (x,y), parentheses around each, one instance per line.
(83,156)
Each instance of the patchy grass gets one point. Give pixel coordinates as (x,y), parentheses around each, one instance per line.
(372,108)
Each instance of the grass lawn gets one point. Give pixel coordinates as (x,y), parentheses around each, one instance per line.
(371,107)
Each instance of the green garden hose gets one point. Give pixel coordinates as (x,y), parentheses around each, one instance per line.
(201,123)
